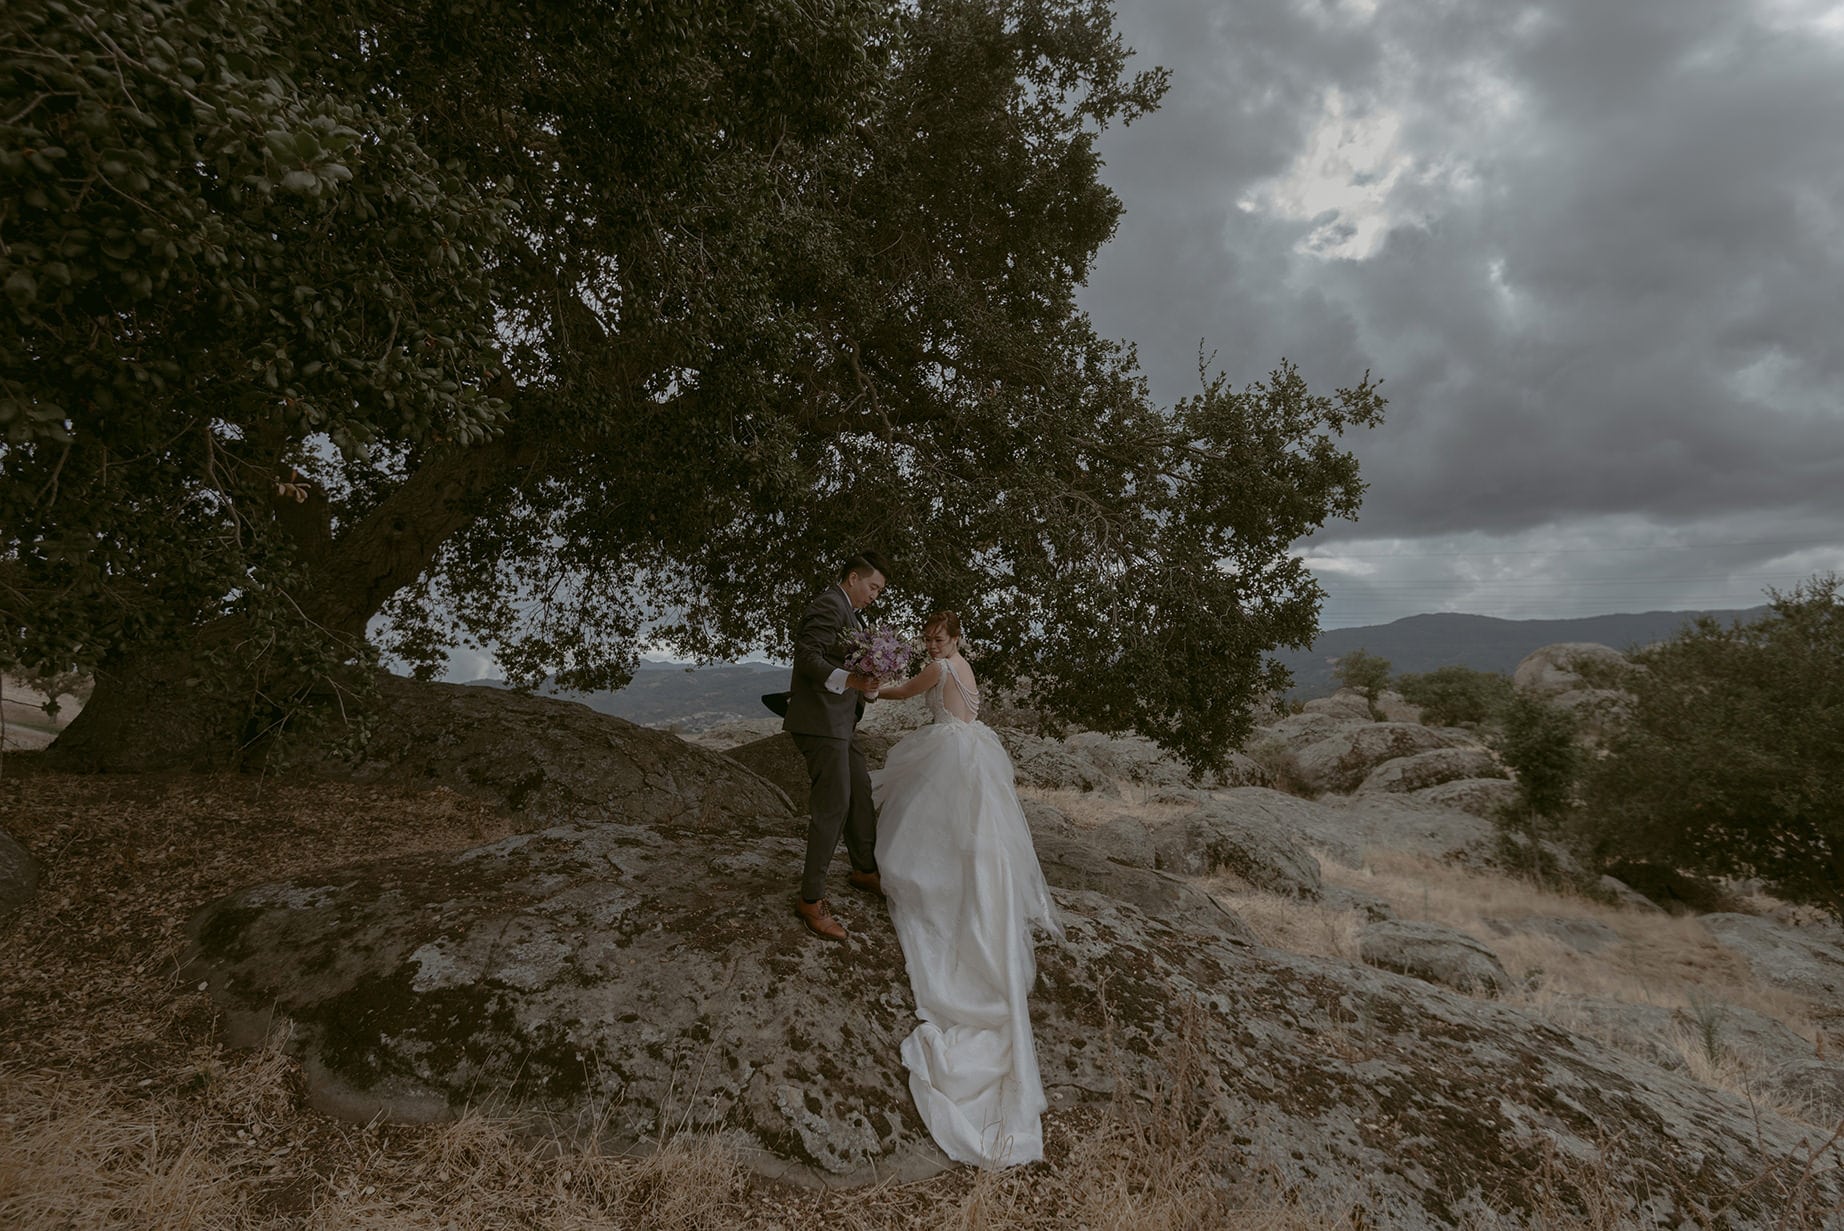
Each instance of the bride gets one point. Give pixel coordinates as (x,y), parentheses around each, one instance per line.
(964,889)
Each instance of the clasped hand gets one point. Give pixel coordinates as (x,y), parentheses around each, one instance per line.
(866,684)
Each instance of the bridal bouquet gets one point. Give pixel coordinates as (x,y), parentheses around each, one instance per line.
(877,652)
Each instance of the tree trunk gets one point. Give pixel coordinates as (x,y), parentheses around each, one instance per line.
(204,702)
(156,710)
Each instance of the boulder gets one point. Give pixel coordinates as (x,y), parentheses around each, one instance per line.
(1296,731)
(1785,957)
(1406,825)
(1396,709)
(1130,758)
(1051,764)
(1047,821)
(1124,840)
(1552,670)
(1347,703)
(1581,935)
(550,759)
(1075,863)
(1623,894)
(19,873)
(1434,953)
(1344,758)
(776,759)
(1259,851)
(634,980)
(1481,797)
(1724,1033)
(1432,768)
(1239,769)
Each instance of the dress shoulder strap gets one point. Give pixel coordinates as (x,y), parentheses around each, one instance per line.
(970,695)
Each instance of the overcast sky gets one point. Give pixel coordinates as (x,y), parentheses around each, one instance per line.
(1595,248)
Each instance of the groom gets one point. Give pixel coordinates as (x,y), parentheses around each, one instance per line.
(824,702)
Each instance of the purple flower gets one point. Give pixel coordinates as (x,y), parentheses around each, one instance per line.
(877,652)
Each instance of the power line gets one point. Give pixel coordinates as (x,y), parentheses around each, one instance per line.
(1570,551)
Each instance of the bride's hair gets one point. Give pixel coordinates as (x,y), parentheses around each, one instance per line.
(947,621)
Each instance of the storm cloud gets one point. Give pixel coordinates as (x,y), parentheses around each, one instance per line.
(1596,251)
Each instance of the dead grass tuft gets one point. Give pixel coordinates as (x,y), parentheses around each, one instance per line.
(1087,809)
(72,1157)
(1296,925)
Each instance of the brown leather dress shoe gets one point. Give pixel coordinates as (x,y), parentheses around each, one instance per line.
(870,882)
(818,918)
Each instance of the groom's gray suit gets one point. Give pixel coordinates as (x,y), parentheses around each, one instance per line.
(822,723)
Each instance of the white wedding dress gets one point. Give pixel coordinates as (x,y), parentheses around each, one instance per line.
(965,889)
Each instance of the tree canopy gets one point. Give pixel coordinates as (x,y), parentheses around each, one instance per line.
(1728,762)
(560,329)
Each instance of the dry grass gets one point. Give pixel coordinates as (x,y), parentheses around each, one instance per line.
(1296,925)
(1661,960)
(1087,809)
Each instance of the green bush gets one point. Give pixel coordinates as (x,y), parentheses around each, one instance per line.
(1363,672)
(1729,763)
(1457,696)
(1538,741)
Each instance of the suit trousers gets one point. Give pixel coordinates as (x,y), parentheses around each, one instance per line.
(840,788)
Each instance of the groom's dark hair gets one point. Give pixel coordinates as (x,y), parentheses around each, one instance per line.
(865,562)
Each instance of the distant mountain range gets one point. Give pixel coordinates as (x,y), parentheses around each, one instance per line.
(693,698)
(1421,643)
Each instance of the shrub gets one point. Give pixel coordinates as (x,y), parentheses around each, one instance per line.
(1539,743)
(1728,763)
(1457,696)
(1363,672)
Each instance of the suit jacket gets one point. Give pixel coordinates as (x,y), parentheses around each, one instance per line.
(813,709)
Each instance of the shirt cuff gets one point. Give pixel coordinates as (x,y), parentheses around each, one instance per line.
(836,681)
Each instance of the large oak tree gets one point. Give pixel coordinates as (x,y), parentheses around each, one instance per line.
(559,328)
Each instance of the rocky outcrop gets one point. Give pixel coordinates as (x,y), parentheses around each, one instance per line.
(1130,758)
(1721,1033)
(1297,731)
(1553,670)
(1051,764)
(1255,849)
(1124,840)
(1435,953)
(19,873)
(1074,863)
(1481,797)
(1346,703)
(1344,828)
(1347,755)
(625,977)
(1581,935)
(1622,894)
(550,759)
(1798,960)
(1572,676)
(1433,768)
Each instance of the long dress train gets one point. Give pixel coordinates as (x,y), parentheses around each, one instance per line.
(965,889)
